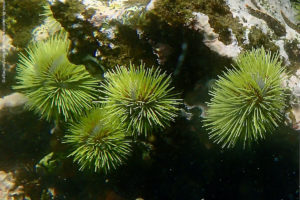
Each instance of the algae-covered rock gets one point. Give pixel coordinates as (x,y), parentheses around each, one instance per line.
(292,82)
(107,33)
(268,24)
(248,24)
(217,13)
(101,32)
(21,18)
(211,40)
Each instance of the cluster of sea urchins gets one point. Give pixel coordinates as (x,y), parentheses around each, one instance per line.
(247,101)
(136,101)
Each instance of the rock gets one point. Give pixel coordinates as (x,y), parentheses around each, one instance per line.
(150,5)
(162,51)
(48,194)
(49,26)
(101,31)
(201,24)
(194,111)
(21,18)
(6,50)
(8,188)
(272,17)
(13,100)
(113,10)
(6,45)
(231,26)
(12,104)
(293,84)
(274,24)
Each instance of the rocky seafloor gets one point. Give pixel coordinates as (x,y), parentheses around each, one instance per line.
(193,40)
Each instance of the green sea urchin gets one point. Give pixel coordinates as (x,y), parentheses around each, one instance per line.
(52,84)
(141,98)
(247,101)
(98,142)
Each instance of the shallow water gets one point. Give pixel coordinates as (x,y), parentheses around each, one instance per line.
(177,161)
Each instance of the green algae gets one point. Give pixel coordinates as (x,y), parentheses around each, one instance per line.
(293,51)
(258,39)
(21,18)
(274,24)
(87,39)
(67,11)
(136,2)
(47,164)
(296,6)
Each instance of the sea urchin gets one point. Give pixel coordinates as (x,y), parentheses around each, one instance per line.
(52,84)
(142,98)
(98,142)
(247,101)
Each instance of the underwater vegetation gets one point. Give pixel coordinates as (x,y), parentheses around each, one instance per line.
(247,101)
(141,97)
(54,87)
(296,5)
(98,143)
(21,19)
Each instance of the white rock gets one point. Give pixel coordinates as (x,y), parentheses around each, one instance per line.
(5,44)
(13,100)
(211,38)
(115,9)
(150,5)
(282,52)
(272,8)
(8,189)
(293,84)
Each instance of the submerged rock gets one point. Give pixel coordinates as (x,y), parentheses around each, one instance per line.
(211,40)
(131,30)
(293,114)
(101,31)
(21,18)
(273,18)
(7,49)
(12,104)
(8,188)
(6,45)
